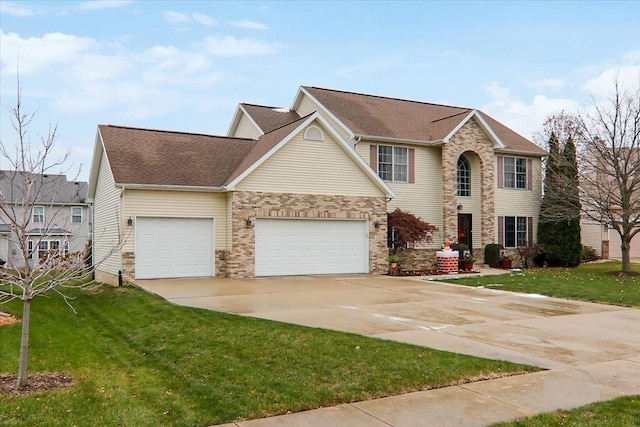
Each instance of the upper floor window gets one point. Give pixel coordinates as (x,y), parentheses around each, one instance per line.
(393,163)
(76,214)
(464,177)
(38,214)
(515,172)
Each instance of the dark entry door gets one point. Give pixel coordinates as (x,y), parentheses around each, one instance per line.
(465,230)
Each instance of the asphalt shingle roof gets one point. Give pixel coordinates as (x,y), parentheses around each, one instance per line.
(52,188)
(378,116)
(270,118)
(158,157)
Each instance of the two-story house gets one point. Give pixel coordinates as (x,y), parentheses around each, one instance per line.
(306,189)
(457,168)
(58,220)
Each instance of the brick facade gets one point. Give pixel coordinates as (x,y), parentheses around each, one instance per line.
(470,140)
(252,205)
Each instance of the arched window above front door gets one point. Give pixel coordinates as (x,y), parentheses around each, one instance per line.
(464,176)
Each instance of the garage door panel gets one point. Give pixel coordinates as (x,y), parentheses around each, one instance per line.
(174,247)
(292,247)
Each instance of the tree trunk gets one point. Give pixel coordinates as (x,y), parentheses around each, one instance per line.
(24,344)
(626,260)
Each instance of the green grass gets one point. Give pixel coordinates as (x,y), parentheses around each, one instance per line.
(620,412)
(140,361)
(588,282)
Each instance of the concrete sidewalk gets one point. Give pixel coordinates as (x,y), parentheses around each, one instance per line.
(592,351)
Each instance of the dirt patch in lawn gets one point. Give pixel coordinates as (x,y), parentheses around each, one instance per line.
(35,383)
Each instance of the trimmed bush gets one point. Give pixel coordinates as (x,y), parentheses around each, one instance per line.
(492,254)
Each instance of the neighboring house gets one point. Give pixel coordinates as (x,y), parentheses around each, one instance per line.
(457,168)
(60,219)
(297,199)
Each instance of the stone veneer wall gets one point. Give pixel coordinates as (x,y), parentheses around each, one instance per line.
(245,204)
(418,259)
(470,138)
(129,266)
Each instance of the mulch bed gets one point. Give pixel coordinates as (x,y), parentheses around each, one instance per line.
(35,383)
(8,319)
(429,273)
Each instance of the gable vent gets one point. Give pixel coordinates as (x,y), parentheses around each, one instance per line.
(313,133)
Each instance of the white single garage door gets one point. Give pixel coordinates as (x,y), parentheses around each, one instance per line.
(299,246)
(173,247)
(614,245)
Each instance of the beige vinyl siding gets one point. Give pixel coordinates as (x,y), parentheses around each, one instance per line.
(308,106)
(422,198)
(518,202)
(108,226)
(591,234)
(246,128)
(186,204)
(311,167)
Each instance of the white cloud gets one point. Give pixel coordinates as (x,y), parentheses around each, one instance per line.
(550,83)
(231,46)
(203,19)
(526,118)
(245,23)
(36,53)
(20,10)
(102,4)
(602,86)
(175,17)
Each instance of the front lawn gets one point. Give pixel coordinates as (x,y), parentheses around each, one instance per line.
(588,282)
(620,412)
(140,361)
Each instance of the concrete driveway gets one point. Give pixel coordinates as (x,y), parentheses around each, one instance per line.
(547,332)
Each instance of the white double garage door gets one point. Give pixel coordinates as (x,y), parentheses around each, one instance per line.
(184,247)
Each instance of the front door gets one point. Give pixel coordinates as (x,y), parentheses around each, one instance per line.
(464,230)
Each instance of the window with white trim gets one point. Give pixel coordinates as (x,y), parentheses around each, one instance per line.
(515,231)
(393,163)
(43,248)
(464,177)
(38,214)
(76,214)
(515,173)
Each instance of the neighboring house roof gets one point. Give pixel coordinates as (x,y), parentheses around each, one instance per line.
(48,232)
(53,188)
(381,118)
(158,157)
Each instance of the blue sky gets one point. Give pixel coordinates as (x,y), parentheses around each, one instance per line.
(185,65)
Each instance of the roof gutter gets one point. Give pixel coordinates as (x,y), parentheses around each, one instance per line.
(526,153)
(171,187)
(399,140)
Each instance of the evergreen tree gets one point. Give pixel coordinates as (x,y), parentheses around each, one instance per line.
(571,200)
(559,224)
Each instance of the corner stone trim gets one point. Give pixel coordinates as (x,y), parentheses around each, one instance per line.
(245,204)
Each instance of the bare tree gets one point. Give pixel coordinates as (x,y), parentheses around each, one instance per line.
(35,179)
(609,159)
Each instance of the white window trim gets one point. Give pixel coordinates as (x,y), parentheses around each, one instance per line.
(468,172)
(81,215)
(514,173)
(394,163)
(515,231)
(33,214)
